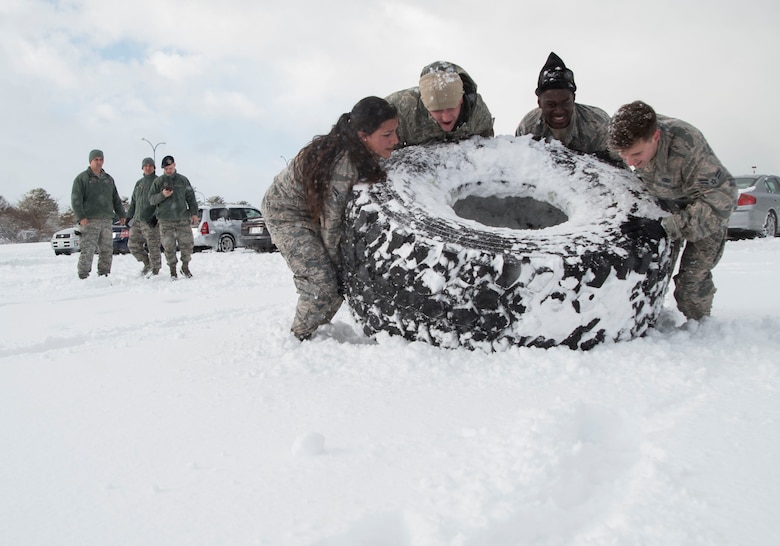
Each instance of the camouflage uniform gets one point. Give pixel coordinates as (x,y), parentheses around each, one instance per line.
(310,247)
(174,215)
(692,184)
(416,126)
(144,228)
(588,131)
(96,198)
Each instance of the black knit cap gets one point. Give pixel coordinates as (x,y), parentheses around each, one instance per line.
(555,75)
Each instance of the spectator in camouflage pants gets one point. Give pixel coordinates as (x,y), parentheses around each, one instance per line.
(177,210)
(144,243)
(679,168)
(95,201)
(304,207)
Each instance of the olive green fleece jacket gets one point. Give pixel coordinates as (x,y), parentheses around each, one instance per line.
(180,205)
(95,196)
(140,208)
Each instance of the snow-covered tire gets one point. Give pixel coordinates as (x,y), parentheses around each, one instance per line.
(534,256)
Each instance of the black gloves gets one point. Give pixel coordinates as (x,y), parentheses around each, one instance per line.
(636,228)
(153,221)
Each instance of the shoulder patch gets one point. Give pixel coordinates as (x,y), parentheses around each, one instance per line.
(713,181)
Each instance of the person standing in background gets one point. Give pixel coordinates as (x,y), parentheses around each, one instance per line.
(177,210)
(95,202)
(144,229)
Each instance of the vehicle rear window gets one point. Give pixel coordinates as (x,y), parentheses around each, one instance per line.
(218,213)
(743,183)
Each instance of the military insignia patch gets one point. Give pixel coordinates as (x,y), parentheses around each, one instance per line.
(713,181)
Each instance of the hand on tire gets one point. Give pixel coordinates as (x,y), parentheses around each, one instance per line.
(636,228)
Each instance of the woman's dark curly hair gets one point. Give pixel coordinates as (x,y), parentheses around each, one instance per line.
(314,163)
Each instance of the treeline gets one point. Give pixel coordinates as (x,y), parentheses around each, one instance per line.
(37,216)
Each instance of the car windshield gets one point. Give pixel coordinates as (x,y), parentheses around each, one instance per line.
(743,183)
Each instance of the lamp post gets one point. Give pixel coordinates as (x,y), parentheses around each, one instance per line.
(200,193)
(154,149)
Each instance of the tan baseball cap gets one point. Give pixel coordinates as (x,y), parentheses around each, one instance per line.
(441,90)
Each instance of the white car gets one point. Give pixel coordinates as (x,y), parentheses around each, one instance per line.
(65,241)
(68,240)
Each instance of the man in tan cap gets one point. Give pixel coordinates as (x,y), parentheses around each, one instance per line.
(444,107)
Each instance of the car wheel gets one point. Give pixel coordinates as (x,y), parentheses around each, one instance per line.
(770,225)
(491,243)
(226,244)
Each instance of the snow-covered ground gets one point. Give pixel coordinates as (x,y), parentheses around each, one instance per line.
(149,412)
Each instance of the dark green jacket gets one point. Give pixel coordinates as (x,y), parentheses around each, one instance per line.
(180,205)
(95,196)
(140,207)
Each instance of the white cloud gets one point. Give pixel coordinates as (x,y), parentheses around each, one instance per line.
(177,67)
(255,81)
(230,104)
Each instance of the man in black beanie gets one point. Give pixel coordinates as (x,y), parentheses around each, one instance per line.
(578,126)
(177,211)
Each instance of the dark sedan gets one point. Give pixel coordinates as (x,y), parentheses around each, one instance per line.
(254,235)
(121,237)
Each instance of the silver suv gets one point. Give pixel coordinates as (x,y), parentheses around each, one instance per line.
(219,226)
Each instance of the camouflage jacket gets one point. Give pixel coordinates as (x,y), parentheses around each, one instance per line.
(95,196)
(416,126)
(690,182)
(180,205)
(285,204)
(587,132)
(140,208)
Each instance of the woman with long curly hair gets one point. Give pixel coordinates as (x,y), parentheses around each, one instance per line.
(304,207)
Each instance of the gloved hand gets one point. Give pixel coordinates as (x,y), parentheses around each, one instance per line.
(153,221)
(636,227)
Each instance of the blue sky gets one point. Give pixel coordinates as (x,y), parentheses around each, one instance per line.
(234,88)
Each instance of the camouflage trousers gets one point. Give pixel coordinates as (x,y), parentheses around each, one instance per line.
(140,233)
(314,275)
(173,231)
(98,236)
(694,289)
